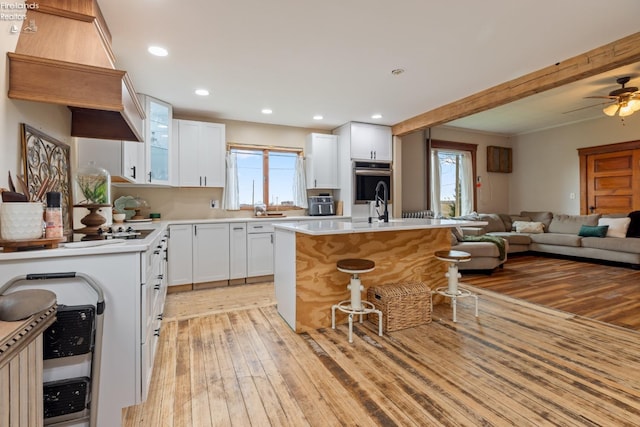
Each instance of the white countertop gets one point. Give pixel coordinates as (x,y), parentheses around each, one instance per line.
(318,228)
(303,224)
(140,245)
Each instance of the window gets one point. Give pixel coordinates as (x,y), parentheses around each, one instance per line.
(452,178)
(266,176)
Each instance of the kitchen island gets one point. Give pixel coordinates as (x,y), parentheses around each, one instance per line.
(307,282)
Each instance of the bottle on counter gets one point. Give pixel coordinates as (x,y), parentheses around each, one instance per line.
(53,216)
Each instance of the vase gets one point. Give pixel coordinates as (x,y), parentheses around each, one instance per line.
(93,185)
(21,220)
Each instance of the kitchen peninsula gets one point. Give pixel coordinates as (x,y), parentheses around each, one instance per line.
(307,282)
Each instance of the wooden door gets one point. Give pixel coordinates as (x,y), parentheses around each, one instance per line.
(613,182)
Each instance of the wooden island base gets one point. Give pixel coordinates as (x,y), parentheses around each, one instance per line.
(308,283)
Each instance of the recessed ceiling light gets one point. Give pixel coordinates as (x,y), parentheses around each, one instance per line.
(158,51)
(318,117)
(267,111)
(376,116)
(202,92)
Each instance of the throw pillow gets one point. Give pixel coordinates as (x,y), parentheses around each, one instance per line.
(634,226)
(544,217)
(532,227)
(617,226)
(515,218)
(593,230)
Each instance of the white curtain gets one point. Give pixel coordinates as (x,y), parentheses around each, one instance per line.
(435,184)
(231,191)
(299,184)
(466,184)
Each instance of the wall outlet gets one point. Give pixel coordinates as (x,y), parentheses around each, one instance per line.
(572,196)
(214,204)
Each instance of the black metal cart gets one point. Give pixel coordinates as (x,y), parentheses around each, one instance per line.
(77,331)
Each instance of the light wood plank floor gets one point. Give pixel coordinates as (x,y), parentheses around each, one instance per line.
(602,292)
(516,364)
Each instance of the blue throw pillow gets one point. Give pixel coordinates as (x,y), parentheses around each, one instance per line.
(593,230)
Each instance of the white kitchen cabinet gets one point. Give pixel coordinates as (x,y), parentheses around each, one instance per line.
(180,264)
(119,274)
(238,250)
(321,161)
(123,159)
(153,294)
(210,252)
(201,148)
(259,249)
(158,141)
(199,253)
(371,142)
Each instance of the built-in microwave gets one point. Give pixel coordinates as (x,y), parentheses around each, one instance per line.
(366,176)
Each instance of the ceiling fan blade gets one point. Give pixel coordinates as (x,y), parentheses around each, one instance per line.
(600,104)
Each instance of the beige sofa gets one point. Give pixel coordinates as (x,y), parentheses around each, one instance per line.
(557,234)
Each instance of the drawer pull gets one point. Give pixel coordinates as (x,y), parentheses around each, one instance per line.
(157,287)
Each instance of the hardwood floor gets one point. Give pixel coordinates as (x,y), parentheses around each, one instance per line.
(516,364)
(603,292)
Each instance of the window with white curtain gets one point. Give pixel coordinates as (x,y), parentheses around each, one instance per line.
(268,176)
(452,179)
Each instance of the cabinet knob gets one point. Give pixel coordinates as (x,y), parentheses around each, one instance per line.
(156,332)
(157,287)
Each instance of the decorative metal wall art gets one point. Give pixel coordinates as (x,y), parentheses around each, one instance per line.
(47,163)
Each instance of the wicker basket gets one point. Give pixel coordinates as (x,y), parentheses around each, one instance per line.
(403,305)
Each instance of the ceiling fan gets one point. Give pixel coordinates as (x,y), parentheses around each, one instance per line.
(625,101)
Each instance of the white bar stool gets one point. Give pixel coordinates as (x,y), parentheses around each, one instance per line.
(453,290)
(355,305)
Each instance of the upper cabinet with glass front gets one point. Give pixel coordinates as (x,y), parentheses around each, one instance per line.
(157,140)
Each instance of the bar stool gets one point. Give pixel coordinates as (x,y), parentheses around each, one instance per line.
(454,291)
(355,267)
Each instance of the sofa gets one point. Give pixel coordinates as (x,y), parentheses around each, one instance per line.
(600,237)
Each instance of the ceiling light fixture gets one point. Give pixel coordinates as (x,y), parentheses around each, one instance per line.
(202,92)
(158,51)
(376,116)
(624,107)
(318,117)
(397,71)
(267,111)
(626,100)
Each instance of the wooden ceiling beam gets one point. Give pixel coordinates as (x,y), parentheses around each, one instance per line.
(619,53)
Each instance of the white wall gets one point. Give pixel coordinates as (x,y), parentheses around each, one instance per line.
(546,168)
(53,120)
(493,192)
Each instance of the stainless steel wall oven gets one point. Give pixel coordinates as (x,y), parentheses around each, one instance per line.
(366,176)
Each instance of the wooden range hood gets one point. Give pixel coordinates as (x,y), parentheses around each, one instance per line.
(68,61)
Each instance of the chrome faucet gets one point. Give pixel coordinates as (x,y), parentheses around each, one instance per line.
(385,194)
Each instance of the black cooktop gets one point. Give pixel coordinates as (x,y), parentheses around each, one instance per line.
(114,232)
